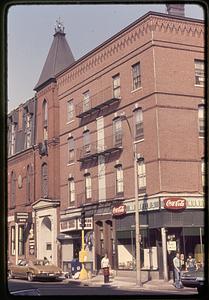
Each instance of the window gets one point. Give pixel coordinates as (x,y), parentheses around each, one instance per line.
(45,120)
(44,180)
(21,240)
(11,139)
(70,111)
(88,186)
(28,131)
(13,240)
(139,130)
(28,185)
(86,141)
(119,179)
(117,132)
(203,172)
(136,76)
(116,86)
(71,191)
(71,150)
(13,190)
(86,101)
(199,72)
(141,173)
(201,119)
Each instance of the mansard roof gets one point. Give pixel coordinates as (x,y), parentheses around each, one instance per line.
(59,58)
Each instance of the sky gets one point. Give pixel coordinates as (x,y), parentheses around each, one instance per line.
(30,30)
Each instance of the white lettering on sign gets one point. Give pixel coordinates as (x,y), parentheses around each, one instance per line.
(88,223)
(175,203)
(119,210)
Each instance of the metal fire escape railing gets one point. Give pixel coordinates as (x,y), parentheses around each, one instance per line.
(96,102)
(108,144)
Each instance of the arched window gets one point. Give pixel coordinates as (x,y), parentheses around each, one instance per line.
(13,190)
(44,180)
(28,184)
(45,119)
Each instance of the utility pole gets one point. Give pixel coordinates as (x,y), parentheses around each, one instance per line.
(82,253)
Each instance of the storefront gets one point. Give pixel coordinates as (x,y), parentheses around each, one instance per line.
(167,225)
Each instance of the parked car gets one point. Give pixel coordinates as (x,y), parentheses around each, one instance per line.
(36,269)
(194,279)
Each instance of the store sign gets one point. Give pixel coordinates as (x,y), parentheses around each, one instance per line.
(171,245)
(88,223)
(22,217)
(174,203)
(119,210)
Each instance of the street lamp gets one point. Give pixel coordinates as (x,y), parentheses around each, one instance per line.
(137,222)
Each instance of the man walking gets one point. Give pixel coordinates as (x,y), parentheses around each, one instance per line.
(105,264)
(177,271)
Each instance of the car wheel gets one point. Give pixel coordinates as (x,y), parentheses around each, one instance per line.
(30,277)
(10,274)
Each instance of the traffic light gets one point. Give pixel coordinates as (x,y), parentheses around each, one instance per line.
(82,218)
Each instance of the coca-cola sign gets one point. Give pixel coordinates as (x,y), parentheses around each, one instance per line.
(174,203)
(119,210)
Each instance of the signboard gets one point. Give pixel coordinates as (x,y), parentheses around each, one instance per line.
(190,202)
(144,205)
(88,223)
(171,245)
(174,203)
(22,217)
(119,210)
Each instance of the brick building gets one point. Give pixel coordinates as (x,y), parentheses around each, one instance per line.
(124,99)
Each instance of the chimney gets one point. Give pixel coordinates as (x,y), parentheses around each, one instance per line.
(175,9)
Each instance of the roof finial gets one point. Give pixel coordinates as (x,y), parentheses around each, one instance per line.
(59,26)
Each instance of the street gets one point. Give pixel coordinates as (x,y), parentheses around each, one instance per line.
(81,288)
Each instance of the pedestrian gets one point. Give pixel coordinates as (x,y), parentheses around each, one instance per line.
(105,265)
(177,271)
(191,263)
(182,262)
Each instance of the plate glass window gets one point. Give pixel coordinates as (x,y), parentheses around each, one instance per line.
(21,240)
(136,76)
(13,240)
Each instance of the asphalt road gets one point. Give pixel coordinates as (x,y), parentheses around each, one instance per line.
(75,288)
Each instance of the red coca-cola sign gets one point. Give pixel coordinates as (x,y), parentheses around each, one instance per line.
(119,210)
(174,203)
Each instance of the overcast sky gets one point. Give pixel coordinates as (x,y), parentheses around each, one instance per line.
(31,29)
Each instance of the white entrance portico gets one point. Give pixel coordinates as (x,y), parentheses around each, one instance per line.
(46,228)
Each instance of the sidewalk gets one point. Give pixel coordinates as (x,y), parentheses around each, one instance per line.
(130,283)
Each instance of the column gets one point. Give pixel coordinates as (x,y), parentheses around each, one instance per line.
(164,249)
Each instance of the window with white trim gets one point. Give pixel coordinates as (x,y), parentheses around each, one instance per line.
(12,240)
(70,110)
(71,150)
(199,72)
(88,186)
(136,76)
(201,119)
(119,179)
(117,132)
(141,174)
(28,130)
(71,191)
(44,180)
(21,240)
(28,184)
(138,120)
(12,139)
(116,86)
(86,101)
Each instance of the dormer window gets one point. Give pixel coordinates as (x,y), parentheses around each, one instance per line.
(28,129)
(12,139)
(45,120)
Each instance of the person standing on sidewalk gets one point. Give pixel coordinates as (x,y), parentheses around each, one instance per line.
(177,271)
(105,265)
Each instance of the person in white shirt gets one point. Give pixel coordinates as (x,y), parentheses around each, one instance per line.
(105,265)
(177,271)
